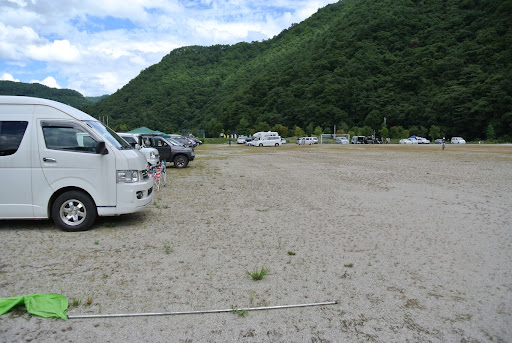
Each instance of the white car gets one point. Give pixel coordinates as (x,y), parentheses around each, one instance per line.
(458,140)
(268,141)
(342,140)
(422,140)
(315,140)
(241,140)
(152,155)
(406,141)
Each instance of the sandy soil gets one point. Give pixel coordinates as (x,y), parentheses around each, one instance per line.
(414,243)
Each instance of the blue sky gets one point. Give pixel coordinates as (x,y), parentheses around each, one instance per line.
(98,46)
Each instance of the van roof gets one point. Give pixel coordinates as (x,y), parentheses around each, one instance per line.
(27,100)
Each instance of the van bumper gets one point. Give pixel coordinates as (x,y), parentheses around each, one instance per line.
(131,197)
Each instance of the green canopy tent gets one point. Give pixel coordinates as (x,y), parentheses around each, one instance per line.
(147,131)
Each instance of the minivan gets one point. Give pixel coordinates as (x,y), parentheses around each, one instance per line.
(306,141)
(458,140)
(58,162)
(267,141)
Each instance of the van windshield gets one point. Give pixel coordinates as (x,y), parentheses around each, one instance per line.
(109,135)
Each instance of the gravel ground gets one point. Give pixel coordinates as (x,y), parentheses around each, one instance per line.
(414,243)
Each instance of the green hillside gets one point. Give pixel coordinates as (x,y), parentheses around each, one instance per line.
(432,67)
(66,96)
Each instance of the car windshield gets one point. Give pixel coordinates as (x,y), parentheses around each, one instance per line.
(173,141)
(109,135)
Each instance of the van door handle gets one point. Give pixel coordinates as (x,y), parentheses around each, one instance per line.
(49,159)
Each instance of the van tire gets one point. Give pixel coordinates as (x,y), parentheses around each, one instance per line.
(277,144)
(180,161)
(82,208)
(261,144)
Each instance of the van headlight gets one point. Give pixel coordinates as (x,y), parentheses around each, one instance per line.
(128,176)
(152,154)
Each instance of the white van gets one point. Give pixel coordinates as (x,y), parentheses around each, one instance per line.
(267,141)
(458,140)
(58,162)
(135,140)
(306,141)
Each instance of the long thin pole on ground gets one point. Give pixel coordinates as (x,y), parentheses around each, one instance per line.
(199,312)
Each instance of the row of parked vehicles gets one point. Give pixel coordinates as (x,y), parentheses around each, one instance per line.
(176,149)
(421,140)
(61,163)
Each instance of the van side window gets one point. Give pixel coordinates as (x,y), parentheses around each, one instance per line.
(70,138)
(11,134)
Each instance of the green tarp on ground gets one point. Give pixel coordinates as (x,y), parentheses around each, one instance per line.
(43,304)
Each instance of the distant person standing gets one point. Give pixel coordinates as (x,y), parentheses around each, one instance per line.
(444,142)
(229,140)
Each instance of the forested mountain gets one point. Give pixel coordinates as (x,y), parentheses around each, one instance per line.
(434,67)
(37,90)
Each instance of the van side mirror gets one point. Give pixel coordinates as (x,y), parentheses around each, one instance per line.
(137,146)
(101,148)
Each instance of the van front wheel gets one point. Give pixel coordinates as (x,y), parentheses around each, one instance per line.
(74,211)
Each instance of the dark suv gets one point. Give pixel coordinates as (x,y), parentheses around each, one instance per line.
(178,154)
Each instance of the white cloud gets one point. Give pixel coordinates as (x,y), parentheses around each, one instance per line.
(8,77)
(49,81)
(68,39)
(58,51)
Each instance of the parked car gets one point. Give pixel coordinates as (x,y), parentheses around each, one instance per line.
(135,140)
(458,140)
(406,141)
(198,141)
(342,140)
(283,141)
(306,140)
(357,140)
(58,162)
(169,151)
(241,140)
(248,141)
(438,141)
(422,140)
(267,141)
(184,140)
(315,140)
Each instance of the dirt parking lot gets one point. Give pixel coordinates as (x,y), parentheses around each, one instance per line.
(414,243)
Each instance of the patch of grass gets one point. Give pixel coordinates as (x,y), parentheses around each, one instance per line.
(258,275)
(110,224)
(96,242)
(167,249)
(349,265)
(291,253)
(75,302)
(241,313)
